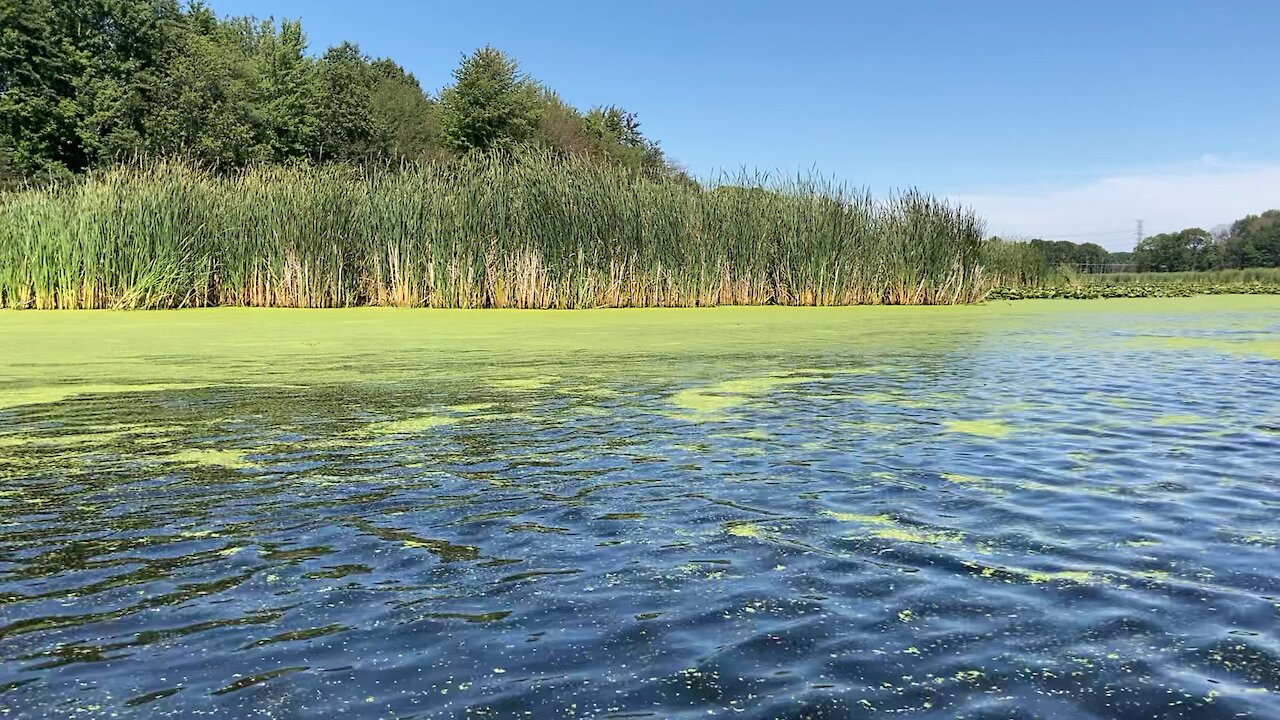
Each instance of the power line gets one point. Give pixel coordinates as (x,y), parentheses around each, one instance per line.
(1051,235)
(1097,234)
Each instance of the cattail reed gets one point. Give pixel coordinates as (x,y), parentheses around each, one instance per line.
(482,232)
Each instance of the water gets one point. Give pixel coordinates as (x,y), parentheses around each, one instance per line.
(1057,509)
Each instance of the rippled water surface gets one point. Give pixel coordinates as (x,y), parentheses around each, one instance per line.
(1038,509)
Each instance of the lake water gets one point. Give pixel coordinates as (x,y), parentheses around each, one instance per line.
(1061,509)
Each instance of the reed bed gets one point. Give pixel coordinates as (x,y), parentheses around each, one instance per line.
(1011,263)
(1266,276)
(482,232)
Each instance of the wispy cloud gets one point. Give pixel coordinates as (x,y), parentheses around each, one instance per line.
(1103,210)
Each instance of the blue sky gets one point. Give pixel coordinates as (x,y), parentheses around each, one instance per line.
(1053,119)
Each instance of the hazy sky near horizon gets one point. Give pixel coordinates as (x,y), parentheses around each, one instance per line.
(1058,120)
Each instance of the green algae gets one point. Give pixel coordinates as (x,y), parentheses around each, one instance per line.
(525,384)
(45,354)
(886,527)
(472,407)
(408,426)
(1011,574)
(46,394)
(231,459)
(710,401)
(974,482)
(964,479)
(1175,420)
(983,428)
(746,530)
(880,519)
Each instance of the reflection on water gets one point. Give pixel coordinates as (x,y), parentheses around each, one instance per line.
(1052,515)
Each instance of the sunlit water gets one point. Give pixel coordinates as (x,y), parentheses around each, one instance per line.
(1048,510)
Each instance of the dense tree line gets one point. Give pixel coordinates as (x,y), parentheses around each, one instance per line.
(87,83)
(1253,241)
(1039,257)
(1250,242)
(1064,252)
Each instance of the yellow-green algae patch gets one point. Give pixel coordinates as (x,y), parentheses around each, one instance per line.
(536,382)
(1174,420)
(885,527)
(984,428)
(1010,574)
(97,435)
(44,354)
(39,395)
(472,407)
(709,400)
(408,426)
(974,482)
(233,459)
(746,530)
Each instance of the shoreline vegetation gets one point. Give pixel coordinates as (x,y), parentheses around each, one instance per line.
(526,230)
(517,230)
(1069,285)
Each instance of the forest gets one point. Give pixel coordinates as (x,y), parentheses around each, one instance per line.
(96,83)
(1250,242)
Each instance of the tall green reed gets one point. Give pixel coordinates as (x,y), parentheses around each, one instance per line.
(486,231)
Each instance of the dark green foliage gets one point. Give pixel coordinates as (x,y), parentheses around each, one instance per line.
(406,120)
(1132,290)
(1252,242)
(92,83)
(1190,249)
(490,105)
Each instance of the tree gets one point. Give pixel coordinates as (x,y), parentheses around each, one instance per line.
(1174,252)
(406,120)
(124,47)
(85,83)
(208,108)
(291,100)
(39,120)
(490,105)
(618,134)
(347,129)
(1253,241)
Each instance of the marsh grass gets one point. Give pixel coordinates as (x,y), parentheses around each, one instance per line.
(1266,276)
(538,232)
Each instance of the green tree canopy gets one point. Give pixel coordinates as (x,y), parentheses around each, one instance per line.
(95,82)
(490,105)
(1253,241)
(1188,249)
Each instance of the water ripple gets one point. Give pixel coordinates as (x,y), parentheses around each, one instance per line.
(1078,524)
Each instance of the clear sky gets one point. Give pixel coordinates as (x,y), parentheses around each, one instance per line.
(1053,119)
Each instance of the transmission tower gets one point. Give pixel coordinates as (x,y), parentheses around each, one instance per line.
(1138,234)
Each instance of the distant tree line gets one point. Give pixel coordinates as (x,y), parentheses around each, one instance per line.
(87,83)
(1048,255)
(1253,241)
